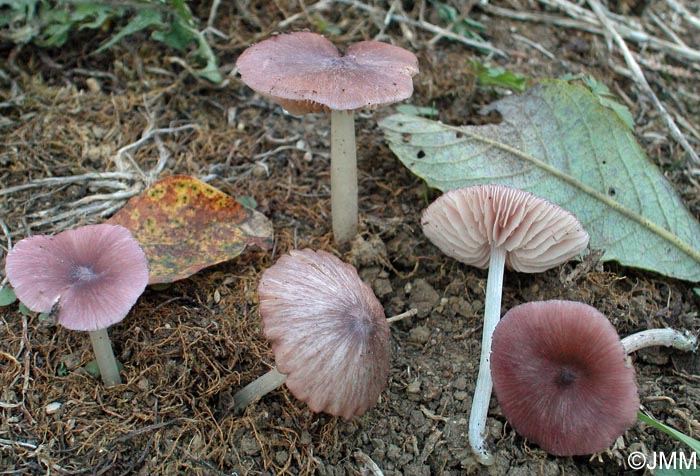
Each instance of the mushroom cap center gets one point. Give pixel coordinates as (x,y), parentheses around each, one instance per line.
(566,377)
(83,274)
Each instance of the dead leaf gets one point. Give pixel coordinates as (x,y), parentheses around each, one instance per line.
(185,225)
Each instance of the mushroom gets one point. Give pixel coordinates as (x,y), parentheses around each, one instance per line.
(561,375)
(495,226)
(94,274)
(328,333)
(304,72)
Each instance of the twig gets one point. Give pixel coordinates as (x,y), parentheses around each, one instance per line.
(684,13)
(369,465)
(403,315)
(147,135)
(427,26)
(641,81)
(57,181)
(535,45)
(626,32)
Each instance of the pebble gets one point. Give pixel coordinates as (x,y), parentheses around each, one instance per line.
(53,407)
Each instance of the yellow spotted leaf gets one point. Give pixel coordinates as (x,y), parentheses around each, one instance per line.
(184,225)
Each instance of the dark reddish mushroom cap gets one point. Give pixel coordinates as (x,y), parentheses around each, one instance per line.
(466,223)
(328,332)
(305,72)
(561,376)
(94,274)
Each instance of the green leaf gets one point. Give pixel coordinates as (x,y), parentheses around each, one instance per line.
(7,296)
(682,437)
(607,99)
(557,141)
(496,76)
(144,18)
(178,36)
(94,370)
(25,310)
(417,111)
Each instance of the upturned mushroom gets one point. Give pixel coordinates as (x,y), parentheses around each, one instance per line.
(495,226)
(93,274)
(328,334)
(562,378)
(305,73)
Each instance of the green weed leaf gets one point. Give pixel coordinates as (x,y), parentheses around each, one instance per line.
(557,141)
(682,437)
(488,75)
(144,19)
(607,99)
(7,296)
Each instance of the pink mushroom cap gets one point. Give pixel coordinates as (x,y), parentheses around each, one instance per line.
(305,72)
(561,376)
(328,332)
(94,273)
(466,223)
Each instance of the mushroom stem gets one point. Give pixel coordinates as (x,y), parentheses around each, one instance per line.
(257,388)
(104,355)
(484,383)
(343,176)
(666,337)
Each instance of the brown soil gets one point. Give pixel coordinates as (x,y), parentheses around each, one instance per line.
(188,348)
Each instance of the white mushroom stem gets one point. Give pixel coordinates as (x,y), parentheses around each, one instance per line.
(273,378)
(484,383)
(343,176)
(104,355)
(666,337)
(257,388)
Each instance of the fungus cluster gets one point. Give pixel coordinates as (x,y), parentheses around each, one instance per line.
(494,226)
(305,73)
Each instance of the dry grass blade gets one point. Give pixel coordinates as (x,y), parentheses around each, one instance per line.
(641,81)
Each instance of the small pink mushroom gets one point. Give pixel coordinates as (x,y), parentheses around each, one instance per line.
(561,376)
(328,333)
(304,72)
(94,274)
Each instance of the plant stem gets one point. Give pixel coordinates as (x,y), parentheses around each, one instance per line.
(257,388)
(343,176)
(484,383)
(666,337)
(104,355)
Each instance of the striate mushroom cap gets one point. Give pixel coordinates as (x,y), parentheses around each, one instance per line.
(305,72)
(95,273)
(328,332)
(561,377)
(466,223)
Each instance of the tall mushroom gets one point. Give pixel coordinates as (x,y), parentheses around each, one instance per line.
(304,72)
(328,333)
(561,375)
(495,226)
(94,274)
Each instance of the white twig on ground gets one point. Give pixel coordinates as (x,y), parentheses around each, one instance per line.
(640,79)
(625,31)
(427,26)
(684,13)
(148,134)
(370,467)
